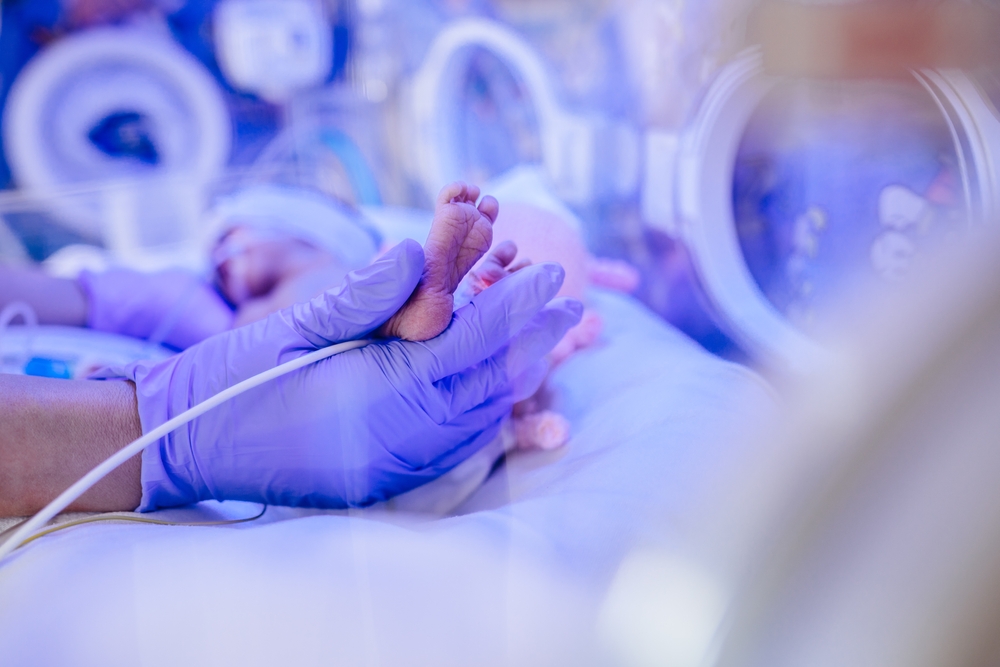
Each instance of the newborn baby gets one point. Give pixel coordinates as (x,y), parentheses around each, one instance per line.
(260,272)
(275,246)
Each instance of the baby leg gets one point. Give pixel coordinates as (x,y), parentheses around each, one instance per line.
(460,235)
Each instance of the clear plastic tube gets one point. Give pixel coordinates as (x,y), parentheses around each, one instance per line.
(14,310)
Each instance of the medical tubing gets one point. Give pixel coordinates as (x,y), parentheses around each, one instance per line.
(14,310)
(104,469)
(131,518)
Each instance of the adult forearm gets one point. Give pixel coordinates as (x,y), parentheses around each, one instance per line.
(52,432)
(54,300)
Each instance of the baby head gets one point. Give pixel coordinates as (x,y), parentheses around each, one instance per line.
(267,234)
(542,236)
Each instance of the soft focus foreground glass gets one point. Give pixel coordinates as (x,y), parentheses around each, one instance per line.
(861,530)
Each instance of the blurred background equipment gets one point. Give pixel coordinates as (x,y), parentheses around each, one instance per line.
(750,182)
(126,118)
(68,352)
(113,105)
(273,48)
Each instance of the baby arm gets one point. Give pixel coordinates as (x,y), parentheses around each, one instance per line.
(54,432)
(54,300)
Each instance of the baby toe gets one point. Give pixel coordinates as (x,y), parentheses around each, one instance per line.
(450,193)
(490,208)
(504,253)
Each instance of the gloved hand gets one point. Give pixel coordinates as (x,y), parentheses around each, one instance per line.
(172,307)
(359,427)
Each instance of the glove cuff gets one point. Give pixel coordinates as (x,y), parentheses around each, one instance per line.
(170,475)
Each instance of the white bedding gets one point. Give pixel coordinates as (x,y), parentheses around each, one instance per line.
(515,577)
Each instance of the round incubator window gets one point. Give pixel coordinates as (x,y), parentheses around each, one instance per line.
(497,126)
(838,182)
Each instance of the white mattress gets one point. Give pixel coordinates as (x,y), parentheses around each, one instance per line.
(516,577)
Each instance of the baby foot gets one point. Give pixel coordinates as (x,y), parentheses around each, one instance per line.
(493,268)
(496,266)
(545,430)
(460,235)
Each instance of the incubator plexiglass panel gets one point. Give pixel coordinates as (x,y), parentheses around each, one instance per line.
(840,182)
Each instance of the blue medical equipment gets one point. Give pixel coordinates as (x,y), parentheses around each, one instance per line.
(361,176)
(68,352)
(27,348)
(113,104)
(125,134)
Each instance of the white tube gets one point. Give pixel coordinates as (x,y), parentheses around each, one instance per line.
(104,469)
(17,309)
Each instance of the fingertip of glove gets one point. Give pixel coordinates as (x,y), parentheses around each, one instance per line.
(545,279)
(562,315)
(410,248)
(408,252)
(405,259)
(555,274)
(572,307)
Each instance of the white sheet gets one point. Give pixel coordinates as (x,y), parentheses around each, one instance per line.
(515,578)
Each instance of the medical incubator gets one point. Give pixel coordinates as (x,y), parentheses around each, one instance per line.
(779,435)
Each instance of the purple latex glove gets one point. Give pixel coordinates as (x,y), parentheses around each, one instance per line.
(171,307)
(359,427)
